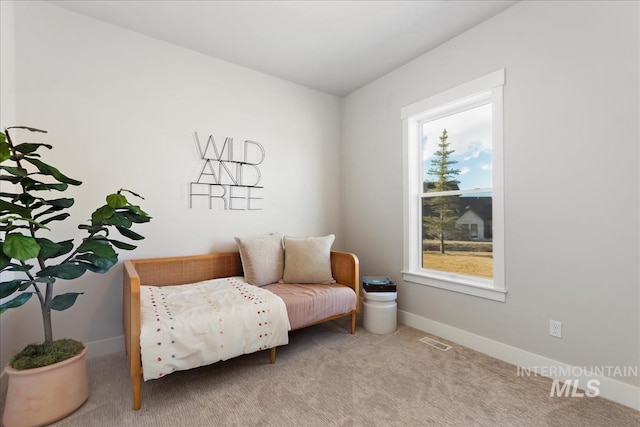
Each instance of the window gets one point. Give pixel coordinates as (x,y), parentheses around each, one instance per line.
(453,189)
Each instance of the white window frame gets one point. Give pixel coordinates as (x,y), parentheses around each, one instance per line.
(443,104)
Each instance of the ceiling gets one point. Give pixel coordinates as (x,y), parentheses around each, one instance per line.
(332,46)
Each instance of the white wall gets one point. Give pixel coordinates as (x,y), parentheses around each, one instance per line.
(121,108)
(7,62)
(571,177)
(7,118)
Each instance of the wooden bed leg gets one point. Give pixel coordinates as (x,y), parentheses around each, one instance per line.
(136,384)
(272,355)
(353,323)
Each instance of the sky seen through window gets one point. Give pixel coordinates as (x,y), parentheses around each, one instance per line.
(470,136)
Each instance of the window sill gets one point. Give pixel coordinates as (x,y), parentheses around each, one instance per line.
(463,284)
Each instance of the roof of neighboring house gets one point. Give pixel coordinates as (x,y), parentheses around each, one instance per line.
(480,205)
(431,186)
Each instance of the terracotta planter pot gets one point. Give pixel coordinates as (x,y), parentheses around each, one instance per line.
(36,397)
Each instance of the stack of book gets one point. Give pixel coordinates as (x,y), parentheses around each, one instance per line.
(378,284)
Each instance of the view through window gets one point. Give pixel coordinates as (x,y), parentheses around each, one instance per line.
(457,220)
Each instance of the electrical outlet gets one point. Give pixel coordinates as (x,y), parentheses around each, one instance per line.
(555,328)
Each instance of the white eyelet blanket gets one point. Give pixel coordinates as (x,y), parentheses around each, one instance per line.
(193,325)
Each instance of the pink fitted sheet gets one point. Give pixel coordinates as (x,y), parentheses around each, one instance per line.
(309,304)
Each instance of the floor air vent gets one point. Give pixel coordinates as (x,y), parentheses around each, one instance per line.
(436,344)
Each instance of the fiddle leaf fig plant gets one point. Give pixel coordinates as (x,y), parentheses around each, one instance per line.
(31,203)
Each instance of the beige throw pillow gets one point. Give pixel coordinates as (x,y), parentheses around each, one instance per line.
(262,258)
(308,259)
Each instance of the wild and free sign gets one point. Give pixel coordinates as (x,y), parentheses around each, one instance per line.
(230,174)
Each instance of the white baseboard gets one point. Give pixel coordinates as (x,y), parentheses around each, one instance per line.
(609,388)
(105,347)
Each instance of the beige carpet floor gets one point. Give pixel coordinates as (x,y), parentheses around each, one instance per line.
(328,377)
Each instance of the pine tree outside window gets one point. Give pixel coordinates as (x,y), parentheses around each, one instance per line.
(454,225)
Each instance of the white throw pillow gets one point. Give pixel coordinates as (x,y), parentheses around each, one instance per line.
(308,259)
(262,258)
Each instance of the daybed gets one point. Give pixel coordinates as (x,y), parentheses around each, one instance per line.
(306,304)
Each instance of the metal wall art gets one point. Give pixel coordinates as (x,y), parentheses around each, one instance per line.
(229,173)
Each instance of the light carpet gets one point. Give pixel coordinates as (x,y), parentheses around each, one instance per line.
(328,377)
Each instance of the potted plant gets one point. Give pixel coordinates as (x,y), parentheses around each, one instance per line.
(31,264)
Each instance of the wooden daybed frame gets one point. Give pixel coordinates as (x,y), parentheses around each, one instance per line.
(191,269)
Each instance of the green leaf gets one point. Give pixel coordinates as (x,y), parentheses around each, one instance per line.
(52,171)
(66,245)
(130,192)
(59,217)
(27,128)
(16,302)
(39,186)
(26,284)
(130,234)
(64,301)
(12,179)
(134,217)
(5,151)
(101,248)
(7,288)
(119,219)
(122,245)
(13,208)
(116,200)
(98,264)
(49,249)
(5,261)
(137,210)
(20,247)
(18,267)
(101,214)
(12,223)
(47,280)
(8,219)
(93,229)
(65,202)
(14,170)
(67,271)
(27,148)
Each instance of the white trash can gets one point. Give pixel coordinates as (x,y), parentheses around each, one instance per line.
(380,312)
